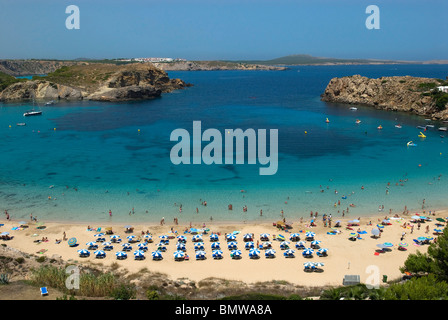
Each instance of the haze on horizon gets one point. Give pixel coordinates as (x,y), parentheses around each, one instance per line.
(410,30)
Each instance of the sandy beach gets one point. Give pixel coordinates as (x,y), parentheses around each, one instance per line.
(345,257)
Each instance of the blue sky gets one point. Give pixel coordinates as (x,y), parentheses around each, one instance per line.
(224,29)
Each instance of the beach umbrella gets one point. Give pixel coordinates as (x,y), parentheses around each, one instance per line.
(91,245)
(131,238)
(248,237)
(121,255)
(300,245)
(416,217)
(249,245)
(214,237)
(231,237)
(126,247)
(438,230)
(318,264)
(99,235)
(402,244)
(269,253)
(388,244)
(266,245)
(254,253)
(147,237)
(216,246)
(197,238)
(107,246)
(115,238)
(72,242)
(193,230)
(310,235)
(100,239)
(284,245)
(139,254)
(315,242)
(353,235)
(376,232)
(235,253)
(182,238)
(264,236)
(199,246)
(179,255)
(429,238)
(142,247)
(83,253)
(440,220)
(307,252)
(308,265)
(281,237)
(200,255)
(289,253)
(217,254)
(161,247)
(294,237)
(100,254)
(157,255)
(232,245)
(322,251)
(421,238)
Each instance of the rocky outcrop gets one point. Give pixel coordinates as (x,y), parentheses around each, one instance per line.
(100,82)
(408,94)
(39,90)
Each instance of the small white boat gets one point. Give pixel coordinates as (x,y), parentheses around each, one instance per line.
(430,126)
(49,103)
(21,124)
(443,129)
(32,113)
(353,108)
(398,126)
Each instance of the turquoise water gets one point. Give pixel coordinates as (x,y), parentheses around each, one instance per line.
(91,157)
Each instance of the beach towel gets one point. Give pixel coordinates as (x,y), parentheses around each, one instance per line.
(41,251)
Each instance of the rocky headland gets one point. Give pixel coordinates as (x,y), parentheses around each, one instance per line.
(95,81)
(214,66)
(408,94)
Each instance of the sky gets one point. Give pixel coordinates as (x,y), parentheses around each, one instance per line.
(224,29)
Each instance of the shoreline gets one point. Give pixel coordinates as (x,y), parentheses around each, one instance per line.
(345,256)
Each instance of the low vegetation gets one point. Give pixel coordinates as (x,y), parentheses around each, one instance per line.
(7,80)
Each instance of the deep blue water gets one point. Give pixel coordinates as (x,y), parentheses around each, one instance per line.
(90,157)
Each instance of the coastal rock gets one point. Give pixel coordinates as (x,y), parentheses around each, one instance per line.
(99,82)
(408,94)
(31,67)
(128,93)
(39,90)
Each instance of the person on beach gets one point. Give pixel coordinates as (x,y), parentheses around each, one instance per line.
(162,222)
(110,213)
(261,212)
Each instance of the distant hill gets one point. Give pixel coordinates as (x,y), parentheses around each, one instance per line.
(305,59)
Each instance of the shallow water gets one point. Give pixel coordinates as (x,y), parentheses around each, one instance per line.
(94,157)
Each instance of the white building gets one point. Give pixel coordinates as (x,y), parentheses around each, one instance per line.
(443,88)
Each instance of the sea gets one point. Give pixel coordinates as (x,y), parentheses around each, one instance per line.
(96,162)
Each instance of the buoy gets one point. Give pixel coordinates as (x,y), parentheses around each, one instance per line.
(306,132)
(327,121)
(54,129)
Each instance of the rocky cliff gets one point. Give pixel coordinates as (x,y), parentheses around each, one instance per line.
(408,94)
(100,82)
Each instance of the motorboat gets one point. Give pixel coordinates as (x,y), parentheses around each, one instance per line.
(32,113)
(21,124)
(49,103)
(353,108)
(380,127)
(358,121)
(411,144)
(398,126)
(443,129)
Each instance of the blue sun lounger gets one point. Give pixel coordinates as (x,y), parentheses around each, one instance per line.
(43,291)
